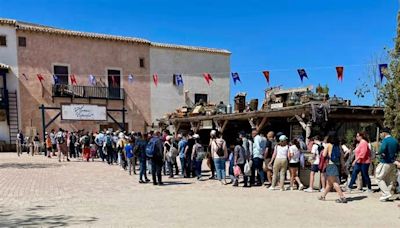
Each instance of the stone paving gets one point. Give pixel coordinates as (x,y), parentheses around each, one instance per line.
(41,192)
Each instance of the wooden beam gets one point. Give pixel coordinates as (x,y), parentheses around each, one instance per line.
(261,124)
(195,126)
(217,125)
(177,125)
(224,126)
(252,124)
(301,122)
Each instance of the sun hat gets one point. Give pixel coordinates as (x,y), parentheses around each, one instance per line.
(196,136)
(283,138)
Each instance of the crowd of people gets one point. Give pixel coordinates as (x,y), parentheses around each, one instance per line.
(258,159)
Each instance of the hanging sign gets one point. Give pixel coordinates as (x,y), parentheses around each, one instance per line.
(83,112)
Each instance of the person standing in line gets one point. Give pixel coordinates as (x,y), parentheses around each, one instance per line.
(270,145)
(157,159)
(141,143)
(99,140)
(280,163)
(316,150)
(386,169)
(115,139)
(294,164)
(62,145)
(19,142)
(53,142)
(171,152)
(334,155)
(198,155)
(258,158)
(219,152)
(130,155)
(361,162)
(120,149)
(71,144)
(182,148)
(239,161)
(36,144)
(188,155)
(85,141)
(48,145)
(108,145)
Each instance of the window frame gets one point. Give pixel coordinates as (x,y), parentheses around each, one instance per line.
(5,40)
(62,65)
(142,60)
(19,41)
(200,94)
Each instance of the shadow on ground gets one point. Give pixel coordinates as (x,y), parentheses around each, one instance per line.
(28,165)
(33,218)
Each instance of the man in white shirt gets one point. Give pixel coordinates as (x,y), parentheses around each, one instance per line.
(259,145)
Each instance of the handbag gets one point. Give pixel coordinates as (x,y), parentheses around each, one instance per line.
(237,171)
(247,169)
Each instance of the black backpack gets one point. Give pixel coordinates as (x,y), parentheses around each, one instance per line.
(220,149)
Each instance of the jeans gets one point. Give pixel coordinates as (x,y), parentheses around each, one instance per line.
(131,165)
(143,169)
(257,165)
(100,152)
(171,168)
(156,165)
(110,155)
(220,168)
(363,168)
(183,166)
(198,164)
(189,167)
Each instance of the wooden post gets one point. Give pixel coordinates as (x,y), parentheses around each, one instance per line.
(251,122)
(308,131)
(224,125)
(261,124)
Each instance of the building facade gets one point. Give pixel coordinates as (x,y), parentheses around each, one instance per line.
(110,71)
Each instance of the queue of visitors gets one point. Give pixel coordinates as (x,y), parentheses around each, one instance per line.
(259,160)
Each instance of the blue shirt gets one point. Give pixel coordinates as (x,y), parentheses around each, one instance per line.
(182,145)
(128,151)
(259,147)
(388,150)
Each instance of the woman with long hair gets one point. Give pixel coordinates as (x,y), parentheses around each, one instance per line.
(333,153)
(294,164)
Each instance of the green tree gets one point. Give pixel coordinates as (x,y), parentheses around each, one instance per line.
(391,90)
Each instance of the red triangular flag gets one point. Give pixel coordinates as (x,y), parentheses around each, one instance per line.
(73,79)
(155,79)
(114,84)
(266,75)
(339,71)
(40,77)
(207,77)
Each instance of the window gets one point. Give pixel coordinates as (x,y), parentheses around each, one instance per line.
(3,40)
(200,96)
(114,83)
(22,41)
(62,73)
(141,62)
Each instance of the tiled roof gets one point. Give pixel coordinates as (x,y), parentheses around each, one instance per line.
(24,26)
(190,48)
(4,66)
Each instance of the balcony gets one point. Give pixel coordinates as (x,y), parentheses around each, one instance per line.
(88,92)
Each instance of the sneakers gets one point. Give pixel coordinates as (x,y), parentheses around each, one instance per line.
(385,197)
(271,188)
(309,190)
(322,190)
(301,187)
(341,200)
(369,191)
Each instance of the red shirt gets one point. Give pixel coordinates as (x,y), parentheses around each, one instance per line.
(363,153)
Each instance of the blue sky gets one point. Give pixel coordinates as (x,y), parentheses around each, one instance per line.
(279,36)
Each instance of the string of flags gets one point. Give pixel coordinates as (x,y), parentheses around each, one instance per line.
(177,79)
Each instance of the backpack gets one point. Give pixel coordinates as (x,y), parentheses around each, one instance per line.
(108,141)
(200,153)
(60,138)
(151,148)
(220,150)
(136,150)
(335,155)
(86,141)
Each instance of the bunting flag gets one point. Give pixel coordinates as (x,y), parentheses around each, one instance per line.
(339,71)
(26,78)
(56,79)
(208,78)
(302,74)
(40,78)
(73,79)
(114,83)
(235,77)
(155,79)
(130,79)
(266,75)
(383,70)
(178,79)
(92,80)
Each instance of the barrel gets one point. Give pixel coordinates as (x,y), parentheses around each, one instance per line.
(240,103)
(253,105)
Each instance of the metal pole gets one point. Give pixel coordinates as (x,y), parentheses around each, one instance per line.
(123,117)
(43,126)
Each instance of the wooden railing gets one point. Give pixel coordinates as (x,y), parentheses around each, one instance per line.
(90,92)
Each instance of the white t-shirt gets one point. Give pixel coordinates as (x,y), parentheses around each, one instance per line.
(295,152)
(315,152)
(282,151)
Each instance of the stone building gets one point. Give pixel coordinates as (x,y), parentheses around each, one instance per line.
(28,50)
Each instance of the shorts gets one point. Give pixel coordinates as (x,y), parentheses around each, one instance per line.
(332,170)
(314,168)
(267,161)
(294,165)
(54,146)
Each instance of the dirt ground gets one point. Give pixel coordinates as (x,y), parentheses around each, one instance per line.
(41,192)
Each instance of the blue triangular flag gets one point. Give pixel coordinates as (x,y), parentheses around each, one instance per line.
(178,79)
(383,70)
(56,79)
(130,79)
(92,79)
(302,74)
(235,77)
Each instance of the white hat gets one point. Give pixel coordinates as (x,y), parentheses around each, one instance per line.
(196,136)
(108,132)
(283,138)
(213,133)
(121,135)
